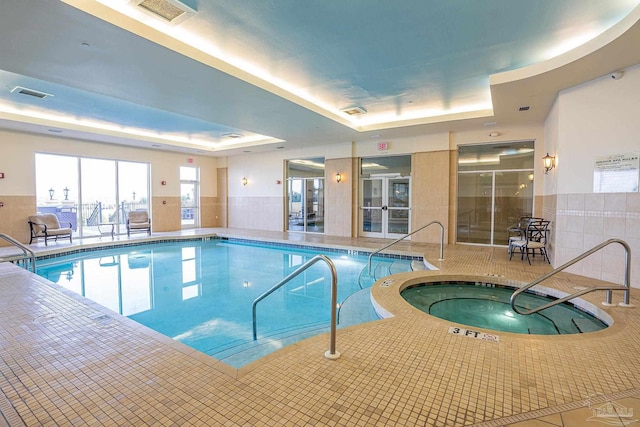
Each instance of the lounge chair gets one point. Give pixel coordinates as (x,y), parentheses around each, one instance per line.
(47,226)
(138,221)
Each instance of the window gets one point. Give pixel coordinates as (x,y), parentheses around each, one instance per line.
(495,188)
(93,195)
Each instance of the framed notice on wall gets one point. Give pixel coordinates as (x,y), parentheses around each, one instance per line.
(617,174)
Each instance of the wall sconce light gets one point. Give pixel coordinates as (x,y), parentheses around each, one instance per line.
(338,177)
(530,176)
(66,193)
(245,181)
(51,191)
(549,163)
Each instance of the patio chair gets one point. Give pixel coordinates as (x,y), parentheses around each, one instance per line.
(138,221)
(535,238)
(47,226)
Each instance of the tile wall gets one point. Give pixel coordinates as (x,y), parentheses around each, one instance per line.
(582,221)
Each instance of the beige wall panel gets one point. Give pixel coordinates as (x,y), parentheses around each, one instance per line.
(430,194)
(14,216)
(453,194)
(165,216)
(338,197)
(208,208)
(221,205)
(256,213)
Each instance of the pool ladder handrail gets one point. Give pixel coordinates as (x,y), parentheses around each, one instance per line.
(331,353)
(626,287)
(407,235)
(26,252)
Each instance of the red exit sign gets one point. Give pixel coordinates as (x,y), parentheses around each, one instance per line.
(383,146)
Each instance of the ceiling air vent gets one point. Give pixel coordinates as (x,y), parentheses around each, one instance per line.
(232,135)
(172,11)
(30,92)
(524,108)
(354,111)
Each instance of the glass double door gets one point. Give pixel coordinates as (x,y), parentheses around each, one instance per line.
(491,202)
(385,208)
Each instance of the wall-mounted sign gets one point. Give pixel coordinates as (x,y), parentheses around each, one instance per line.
(383,146)
(617,174)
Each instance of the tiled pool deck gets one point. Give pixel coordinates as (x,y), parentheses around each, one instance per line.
(67,361)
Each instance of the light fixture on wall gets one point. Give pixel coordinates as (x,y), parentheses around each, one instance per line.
(530,176)
(51,191)
(66,193)
(549,163)
(338,177)
(245,181)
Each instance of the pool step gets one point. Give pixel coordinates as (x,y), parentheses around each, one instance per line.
(380,270)
(357,308)
(241,352)
(585,325)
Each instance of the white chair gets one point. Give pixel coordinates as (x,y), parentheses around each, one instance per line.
(47,226)
(138,221)
(534,238)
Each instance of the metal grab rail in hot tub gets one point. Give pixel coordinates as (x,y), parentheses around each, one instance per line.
(626,287)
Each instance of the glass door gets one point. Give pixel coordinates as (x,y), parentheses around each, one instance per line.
(385,206)
(495,189)
(189,197)
(98,195)
(306,204)
(133,190)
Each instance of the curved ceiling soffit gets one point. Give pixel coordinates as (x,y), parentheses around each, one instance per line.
(498,83)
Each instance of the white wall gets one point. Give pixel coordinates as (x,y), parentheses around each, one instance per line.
(600,118)
(596,119)
(18,162)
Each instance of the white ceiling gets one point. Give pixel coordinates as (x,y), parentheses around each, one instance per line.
(279,72)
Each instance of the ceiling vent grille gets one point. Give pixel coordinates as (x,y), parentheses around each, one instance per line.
(524,108)
(172,11)
(354,111)
(232,135)
(30,92)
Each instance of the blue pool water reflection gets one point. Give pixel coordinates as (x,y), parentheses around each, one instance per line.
(200,293)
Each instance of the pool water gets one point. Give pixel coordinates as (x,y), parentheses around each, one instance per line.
(487,306)
(200,292)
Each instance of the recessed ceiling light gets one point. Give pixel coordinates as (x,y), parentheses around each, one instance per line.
(354,111)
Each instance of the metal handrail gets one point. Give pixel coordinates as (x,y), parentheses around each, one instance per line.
(407,235)
(331,353)
(626,287)
(26,252)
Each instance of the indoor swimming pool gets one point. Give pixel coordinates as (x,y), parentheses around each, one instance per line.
(200,292)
